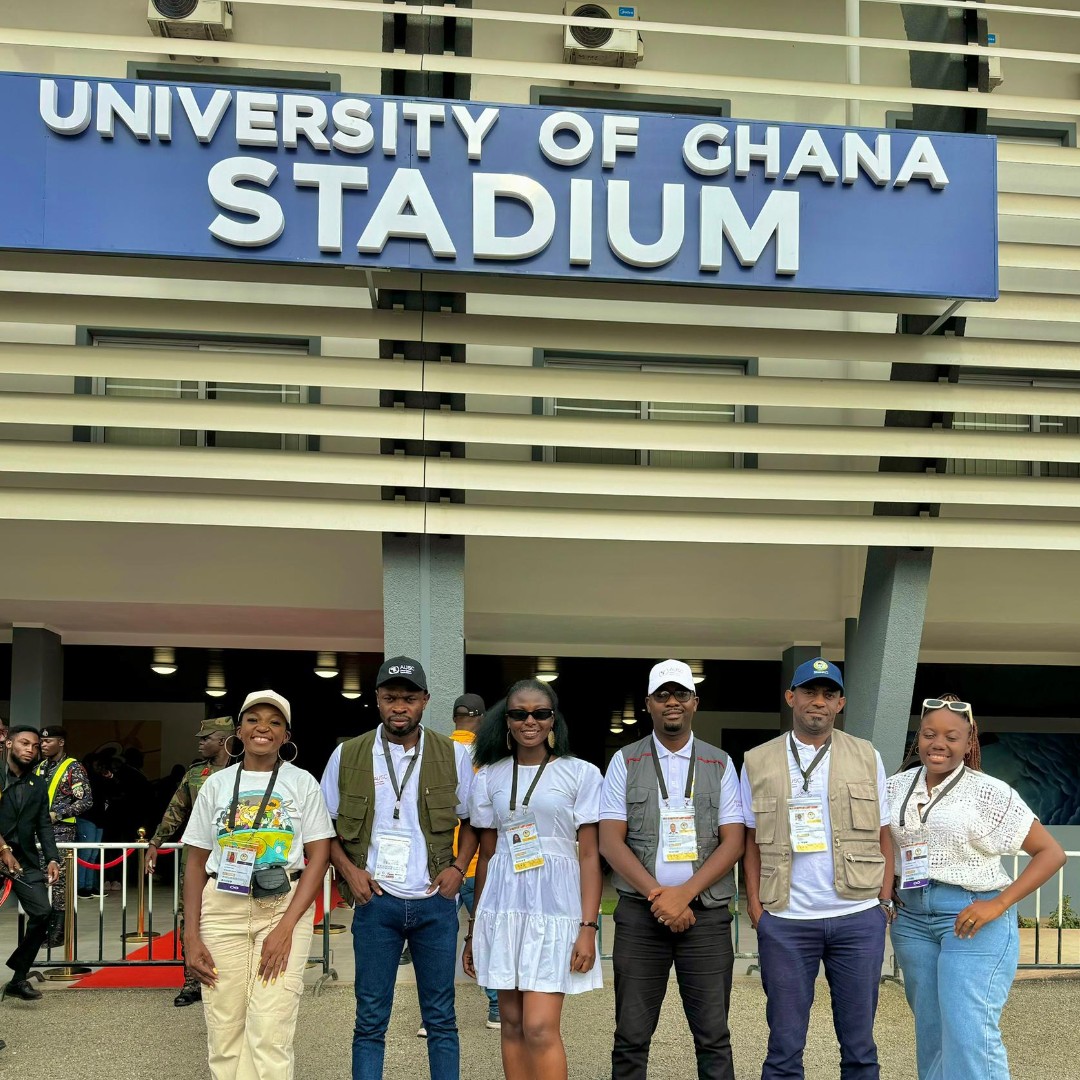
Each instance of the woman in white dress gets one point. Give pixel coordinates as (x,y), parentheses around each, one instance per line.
(538,878)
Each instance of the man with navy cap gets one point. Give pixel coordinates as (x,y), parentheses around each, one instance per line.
(818,872)
(396,795)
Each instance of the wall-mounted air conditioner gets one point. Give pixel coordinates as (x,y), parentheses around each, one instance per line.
(612,42)
(203,20)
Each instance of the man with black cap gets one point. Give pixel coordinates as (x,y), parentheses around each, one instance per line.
(671,828)
(24,825)
(70,797)
(397,794)
(469,712)
(818,872)
(213,738)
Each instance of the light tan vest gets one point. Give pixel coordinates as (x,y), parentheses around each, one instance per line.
(858,865)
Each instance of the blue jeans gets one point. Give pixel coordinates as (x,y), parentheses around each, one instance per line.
(956,987)
(86,832)
(467,899)
(852,947)
(380,929)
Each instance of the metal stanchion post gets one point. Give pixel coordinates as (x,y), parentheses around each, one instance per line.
(69,970)
(141,934)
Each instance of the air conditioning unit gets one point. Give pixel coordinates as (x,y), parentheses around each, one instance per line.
(612,42)
(203,20)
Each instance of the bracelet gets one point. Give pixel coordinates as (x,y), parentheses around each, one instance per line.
(4,847)
(467,937)
(594,925)
(454,866)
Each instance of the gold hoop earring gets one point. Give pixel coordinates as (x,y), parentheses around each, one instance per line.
(509,741)
(551,738)
(234,753)
(295,751)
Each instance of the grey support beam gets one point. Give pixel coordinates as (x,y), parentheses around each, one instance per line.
(424,614)
(37,677)
(881,680)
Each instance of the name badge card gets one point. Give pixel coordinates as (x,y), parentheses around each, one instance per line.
(235,870)
(392,863)
(806,817)
(523,838)
(678,833)
(914,866)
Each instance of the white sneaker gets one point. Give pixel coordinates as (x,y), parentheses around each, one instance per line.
(422,1033)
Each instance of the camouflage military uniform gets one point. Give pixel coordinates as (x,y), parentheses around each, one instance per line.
(72,799)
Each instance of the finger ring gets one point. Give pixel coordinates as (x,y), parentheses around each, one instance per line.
(663,921)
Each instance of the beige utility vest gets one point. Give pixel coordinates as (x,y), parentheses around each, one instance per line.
(854,810)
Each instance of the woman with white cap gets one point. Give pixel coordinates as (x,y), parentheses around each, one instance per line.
(249,896)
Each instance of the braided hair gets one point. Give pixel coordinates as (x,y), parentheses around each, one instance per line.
(973,757)
(491,742)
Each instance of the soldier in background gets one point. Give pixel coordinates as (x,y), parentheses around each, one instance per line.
(70,796)
(213,755)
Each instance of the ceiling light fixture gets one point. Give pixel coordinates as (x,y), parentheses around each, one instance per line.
(215,675)
(326,665)
(547,668)
(629,717)
(164,662)
(350,676)
(697,669)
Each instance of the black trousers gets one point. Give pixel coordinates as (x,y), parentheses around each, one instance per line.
(642,958)
(33,894)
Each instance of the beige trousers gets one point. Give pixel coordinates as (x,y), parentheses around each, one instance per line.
(249,1027)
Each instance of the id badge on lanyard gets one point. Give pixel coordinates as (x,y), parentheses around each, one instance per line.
(236,867)
(523,839)
(521,832)
(914,865)
(806,817)
(678,832)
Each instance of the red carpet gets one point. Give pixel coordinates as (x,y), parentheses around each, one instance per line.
(133,978)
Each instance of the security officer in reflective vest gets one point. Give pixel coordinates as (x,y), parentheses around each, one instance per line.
(671,829)
(213,739)
(69,797)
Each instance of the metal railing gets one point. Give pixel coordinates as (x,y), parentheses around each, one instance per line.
(135,923)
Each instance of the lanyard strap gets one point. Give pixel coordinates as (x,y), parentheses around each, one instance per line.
(689,774)
(933,802)
(532,786)
(809,771)
(398,788)
(235,804)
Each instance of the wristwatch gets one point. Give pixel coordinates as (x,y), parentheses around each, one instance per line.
(888,905)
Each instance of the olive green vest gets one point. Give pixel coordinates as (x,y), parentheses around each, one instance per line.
(643,813)
(436,803)
(854,812)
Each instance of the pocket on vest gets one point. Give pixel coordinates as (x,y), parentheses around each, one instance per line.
(864,871)
(769,885)
(865,809)
(765,812)
(442,808)
(636,806)
(352,813)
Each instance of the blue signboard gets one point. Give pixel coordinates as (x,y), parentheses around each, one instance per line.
(206,172)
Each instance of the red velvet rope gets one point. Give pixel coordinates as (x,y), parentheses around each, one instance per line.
(116,862)
(5,892)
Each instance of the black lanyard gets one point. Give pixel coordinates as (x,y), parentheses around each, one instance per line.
(808,772)
(399,788)
(689,774)
(235,804)
(532,786)
(923,815)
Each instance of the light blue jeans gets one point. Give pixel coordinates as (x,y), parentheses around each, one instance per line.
(956,987)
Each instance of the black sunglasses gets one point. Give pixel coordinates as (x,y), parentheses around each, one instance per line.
(524,714)
(681,696)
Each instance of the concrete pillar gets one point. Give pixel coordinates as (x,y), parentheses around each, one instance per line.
(881,680)
(37,677)
(790,659)
(424,614)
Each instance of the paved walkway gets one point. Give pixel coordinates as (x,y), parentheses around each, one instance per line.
(137,1034)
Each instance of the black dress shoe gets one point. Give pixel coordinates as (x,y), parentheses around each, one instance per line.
(21,988)
(406,957)
(189,995)
(3,1045)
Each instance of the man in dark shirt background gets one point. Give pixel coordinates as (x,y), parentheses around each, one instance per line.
(24,823)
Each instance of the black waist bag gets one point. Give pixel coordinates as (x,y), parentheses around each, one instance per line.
(269,881)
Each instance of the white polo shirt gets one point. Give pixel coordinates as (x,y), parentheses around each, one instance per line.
(674,766)
(415,886)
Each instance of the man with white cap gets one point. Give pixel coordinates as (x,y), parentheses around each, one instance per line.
(817,848)
(671,829)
